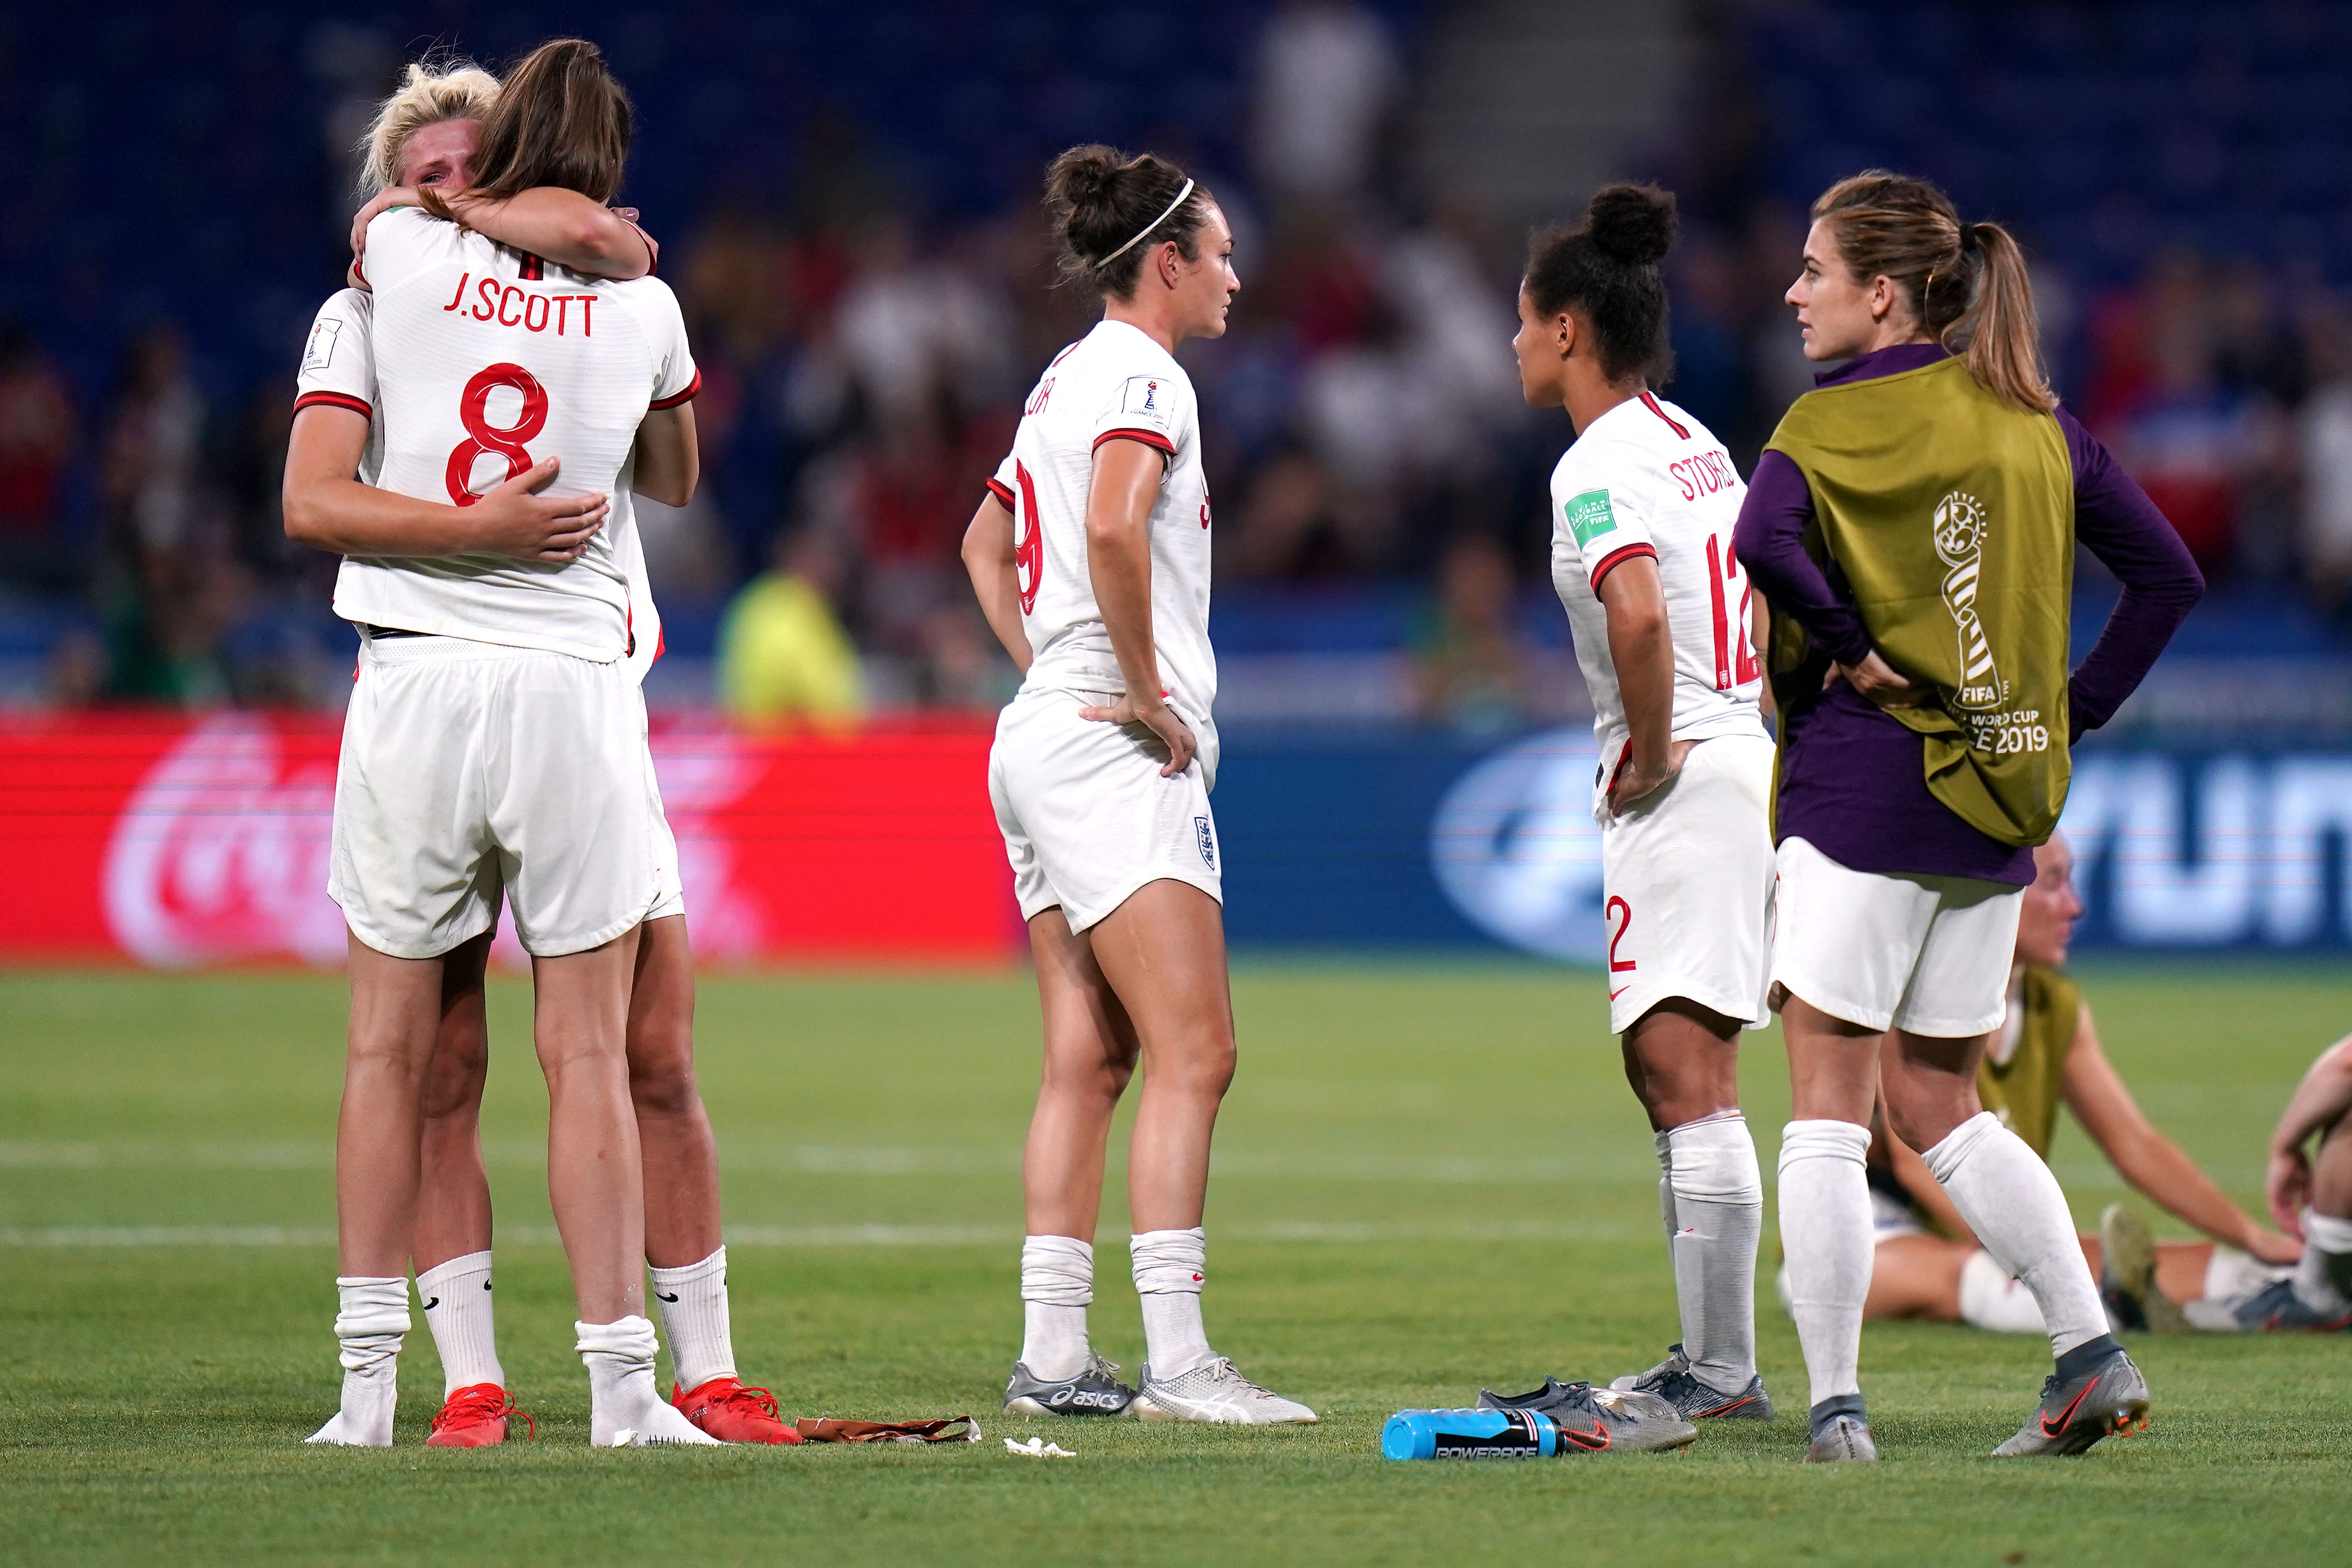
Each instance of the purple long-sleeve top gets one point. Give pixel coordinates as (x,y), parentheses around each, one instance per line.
(1853,779)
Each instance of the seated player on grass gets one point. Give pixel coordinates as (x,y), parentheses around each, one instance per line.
(1928,1264)
(2312,1196)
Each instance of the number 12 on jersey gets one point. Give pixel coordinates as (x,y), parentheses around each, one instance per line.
(1735,658)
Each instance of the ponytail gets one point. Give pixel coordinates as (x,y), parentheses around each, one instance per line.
(1966,283)
(2002,332)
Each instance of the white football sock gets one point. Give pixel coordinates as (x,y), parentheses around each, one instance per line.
(692,1301)
(1990,1298)
(1169,1268)
(625,1407)
(371,1321)
(457,1297)
(1057,1282)
(2323,1280)
(1663,1143)
(2013,1204)
(1719,1196)
(1825,1229)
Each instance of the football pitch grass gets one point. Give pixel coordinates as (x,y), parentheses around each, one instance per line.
(1428,1178)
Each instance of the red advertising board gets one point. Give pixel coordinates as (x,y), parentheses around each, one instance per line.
(176,840)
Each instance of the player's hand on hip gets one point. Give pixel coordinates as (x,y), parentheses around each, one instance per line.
(381,203)
(1879,682)
(1634,783)
(2287,1185)
(1162,721)
(516,519)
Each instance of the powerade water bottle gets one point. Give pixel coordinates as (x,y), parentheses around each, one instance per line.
(1469,1434)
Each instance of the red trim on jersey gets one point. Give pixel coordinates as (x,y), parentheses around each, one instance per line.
(361,273)
(1151,438)
(675,399)
(1651,403)
(1617,558)
(533,269)
(334,400)
(1001,490)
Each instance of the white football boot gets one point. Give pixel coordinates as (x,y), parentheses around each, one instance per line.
(1217,1392)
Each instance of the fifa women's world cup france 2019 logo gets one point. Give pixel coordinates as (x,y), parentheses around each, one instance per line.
(1960,524)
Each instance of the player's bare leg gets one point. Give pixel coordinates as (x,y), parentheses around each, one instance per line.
(596,1182)
(1089,1057)
(680,1155)
(452,1249)
(1163,953)
(453,1205)
(1683,1061)
(395,1006)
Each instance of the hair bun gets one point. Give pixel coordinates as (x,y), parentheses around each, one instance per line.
(1082,179)
(1634,224)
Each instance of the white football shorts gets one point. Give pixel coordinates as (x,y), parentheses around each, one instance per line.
(1926,954)
(669,887)
(1687,888)
(469,771)
(1087,818)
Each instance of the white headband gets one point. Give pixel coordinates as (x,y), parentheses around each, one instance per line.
(1150,226)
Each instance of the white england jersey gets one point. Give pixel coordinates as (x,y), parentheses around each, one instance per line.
(1647,479)
(1115,382)
(339,372)
(486,359)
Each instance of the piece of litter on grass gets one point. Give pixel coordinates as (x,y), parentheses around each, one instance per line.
(1039,1448)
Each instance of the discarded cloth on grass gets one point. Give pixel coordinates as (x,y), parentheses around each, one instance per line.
(813,1429)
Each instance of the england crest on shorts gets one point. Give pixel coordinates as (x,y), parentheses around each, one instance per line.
(1208,837)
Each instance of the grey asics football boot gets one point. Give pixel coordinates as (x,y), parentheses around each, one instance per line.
(1593,1420)
(1096,1391)
(2127,1276)
(1672,1381)
(2106,1400)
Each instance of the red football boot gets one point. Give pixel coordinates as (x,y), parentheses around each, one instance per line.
(475,1417)
(732,1413)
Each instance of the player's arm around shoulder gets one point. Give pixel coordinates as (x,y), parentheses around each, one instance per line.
(402,243)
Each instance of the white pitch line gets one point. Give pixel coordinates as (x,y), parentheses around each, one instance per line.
(132,1236)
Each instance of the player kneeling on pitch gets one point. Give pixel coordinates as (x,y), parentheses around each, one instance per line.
(1090,557)
(1928,1264)
(1644,504)
(424,137)
(494,743)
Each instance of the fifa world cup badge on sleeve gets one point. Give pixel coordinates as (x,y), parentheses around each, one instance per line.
(1589,516)
(321,353)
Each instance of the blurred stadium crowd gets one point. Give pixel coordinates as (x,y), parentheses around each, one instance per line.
(847,201)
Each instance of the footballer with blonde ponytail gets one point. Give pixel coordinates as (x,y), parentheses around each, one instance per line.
(1912,525)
